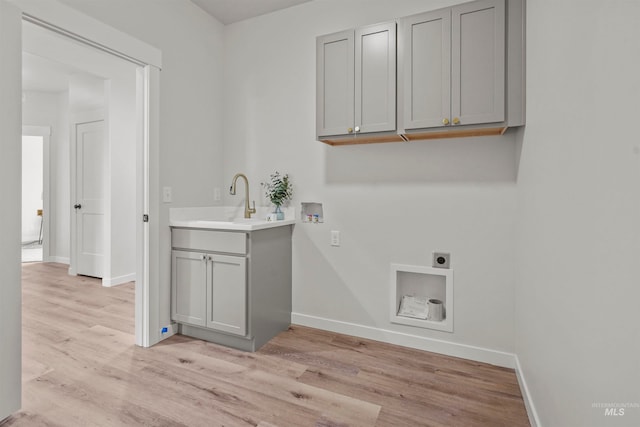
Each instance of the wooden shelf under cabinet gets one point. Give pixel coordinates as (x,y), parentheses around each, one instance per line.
(363,139)
(418,136)
(455,133)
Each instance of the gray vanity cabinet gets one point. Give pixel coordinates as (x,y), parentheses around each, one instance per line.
(209,289)
(453,64)
(229,287)
(356,81)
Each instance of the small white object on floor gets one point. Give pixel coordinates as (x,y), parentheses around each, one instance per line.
(32,252)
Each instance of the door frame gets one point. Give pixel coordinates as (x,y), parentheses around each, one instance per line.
(48,216)
(10,191)
(66,21)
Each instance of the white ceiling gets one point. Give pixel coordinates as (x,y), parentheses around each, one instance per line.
(230,11)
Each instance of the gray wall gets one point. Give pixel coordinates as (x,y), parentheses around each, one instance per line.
(577,293)
(393,203)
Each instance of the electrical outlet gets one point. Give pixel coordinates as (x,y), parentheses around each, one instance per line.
(216,194)
(166,195)
(335,238)
(441,259)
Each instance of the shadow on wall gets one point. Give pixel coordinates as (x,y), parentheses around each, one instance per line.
(456,160)
(326,293)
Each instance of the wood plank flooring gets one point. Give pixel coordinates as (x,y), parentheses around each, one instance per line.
(81,368)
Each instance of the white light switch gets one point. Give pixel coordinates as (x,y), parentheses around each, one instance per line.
(335,238)
(166,194)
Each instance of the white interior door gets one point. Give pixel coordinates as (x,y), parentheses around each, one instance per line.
(10,141)
(90,191)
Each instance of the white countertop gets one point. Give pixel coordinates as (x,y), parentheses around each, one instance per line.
(226,218)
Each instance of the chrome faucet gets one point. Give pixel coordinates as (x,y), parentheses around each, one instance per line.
(232,190)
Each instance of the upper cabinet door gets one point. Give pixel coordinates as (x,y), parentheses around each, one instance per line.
(427,69)
(335,80)
(478,62)
(375,78)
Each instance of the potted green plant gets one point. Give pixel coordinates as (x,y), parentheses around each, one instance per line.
(278,190)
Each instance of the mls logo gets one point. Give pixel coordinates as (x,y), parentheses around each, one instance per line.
(614,412)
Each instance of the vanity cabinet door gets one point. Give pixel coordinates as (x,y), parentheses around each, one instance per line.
(478,62)
(189,287)
(227,294)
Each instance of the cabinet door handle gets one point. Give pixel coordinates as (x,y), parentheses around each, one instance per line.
(445,121)
(204,257)
(357,129)
(456,121)
(350,130)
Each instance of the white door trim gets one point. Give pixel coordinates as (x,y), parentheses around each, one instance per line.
(10,192)
(71,23)
(48,217)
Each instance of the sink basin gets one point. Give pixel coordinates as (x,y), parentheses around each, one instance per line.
(242,224)
(222,218)
(235,220)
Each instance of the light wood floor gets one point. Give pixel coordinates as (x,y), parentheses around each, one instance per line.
(81,368)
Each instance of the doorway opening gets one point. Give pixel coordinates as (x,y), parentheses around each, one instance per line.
(32,198)
(119,237)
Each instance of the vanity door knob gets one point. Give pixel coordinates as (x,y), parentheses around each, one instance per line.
(357,128)
(350,130)
(445,121)
(456,121)
(77,206)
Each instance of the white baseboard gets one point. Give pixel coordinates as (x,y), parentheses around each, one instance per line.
(534,420)
(109,282)
(464,351)
(58,259)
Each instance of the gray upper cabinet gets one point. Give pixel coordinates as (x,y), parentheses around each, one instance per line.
(335,80)
(356,81)
(427,69)
(460,72)
(478,62)
(375,78)
(454,66)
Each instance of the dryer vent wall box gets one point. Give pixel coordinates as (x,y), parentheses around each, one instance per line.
(441,260)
